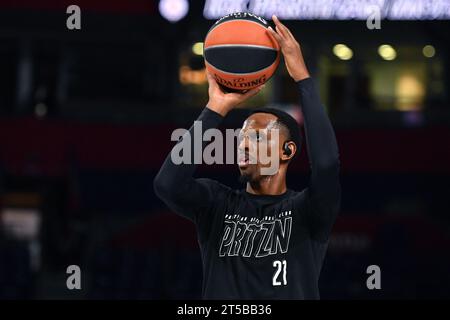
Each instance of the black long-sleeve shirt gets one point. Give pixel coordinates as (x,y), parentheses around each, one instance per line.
(269,246)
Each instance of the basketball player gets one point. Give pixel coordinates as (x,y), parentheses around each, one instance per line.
(265,241)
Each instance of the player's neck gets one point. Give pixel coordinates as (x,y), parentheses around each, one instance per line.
(270,185)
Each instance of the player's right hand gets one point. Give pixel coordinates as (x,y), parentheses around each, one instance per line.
(293,57)
(222,102)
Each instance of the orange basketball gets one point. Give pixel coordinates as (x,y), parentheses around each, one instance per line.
(239,52)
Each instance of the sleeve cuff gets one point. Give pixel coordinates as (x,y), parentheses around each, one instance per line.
(210,117)
(305,82)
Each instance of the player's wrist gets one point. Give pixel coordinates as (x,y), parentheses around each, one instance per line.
(219,108)
(301,71)
(301,76)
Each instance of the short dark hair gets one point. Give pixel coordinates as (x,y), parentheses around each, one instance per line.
(287,121)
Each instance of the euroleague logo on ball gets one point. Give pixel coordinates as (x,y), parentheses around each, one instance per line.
(240,82)
(239,15)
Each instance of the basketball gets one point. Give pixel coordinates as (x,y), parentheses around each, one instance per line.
(239,52)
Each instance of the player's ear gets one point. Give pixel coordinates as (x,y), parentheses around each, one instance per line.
(289,150)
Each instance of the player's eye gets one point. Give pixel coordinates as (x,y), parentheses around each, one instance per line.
(241,137)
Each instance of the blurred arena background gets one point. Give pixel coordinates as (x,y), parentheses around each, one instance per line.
(85,123)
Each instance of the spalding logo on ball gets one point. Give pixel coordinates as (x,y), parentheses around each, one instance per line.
(239,52)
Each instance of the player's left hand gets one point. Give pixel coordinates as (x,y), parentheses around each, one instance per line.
(291,50)
(222,102)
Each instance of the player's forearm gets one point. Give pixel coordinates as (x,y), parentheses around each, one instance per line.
(324,189)
(173,179)
(320,138)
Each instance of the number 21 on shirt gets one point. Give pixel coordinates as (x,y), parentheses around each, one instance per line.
(279,277)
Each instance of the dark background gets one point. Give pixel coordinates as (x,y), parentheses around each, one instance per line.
(85,123)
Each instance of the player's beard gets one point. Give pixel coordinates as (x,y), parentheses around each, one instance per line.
(244,178)
(247,177)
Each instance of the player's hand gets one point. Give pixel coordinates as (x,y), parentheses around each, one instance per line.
(291,50)
(222,102)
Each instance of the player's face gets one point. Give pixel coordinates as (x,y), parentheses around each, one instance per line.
(258,135)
